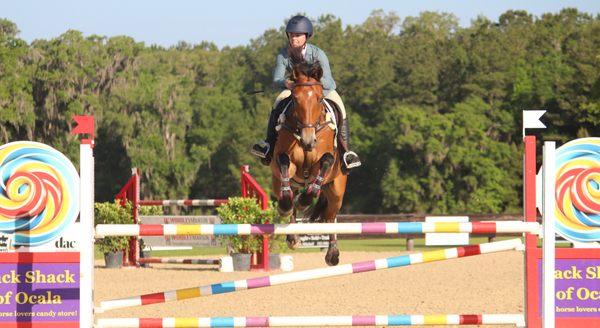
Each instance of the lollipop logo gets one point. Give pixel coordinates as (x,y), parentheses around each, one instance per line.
(578,190)
(39,193)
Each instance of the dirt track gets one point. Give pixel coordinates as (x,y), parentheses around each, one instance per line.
(491,283)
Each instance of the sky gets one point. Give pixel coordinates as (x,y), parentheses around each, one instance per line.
(232,23)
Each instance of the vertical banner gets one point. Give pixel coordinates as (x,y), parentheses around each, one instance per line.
(577,214)
(39,245)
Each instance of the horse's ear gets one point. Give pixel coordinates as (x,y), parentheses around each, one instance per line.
(316,71)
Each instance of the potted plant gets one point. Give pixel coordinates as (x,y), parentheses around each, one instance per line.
(112,247)
(241,210)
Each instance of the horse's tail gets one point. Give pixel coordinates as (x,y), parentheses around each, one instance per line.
(318,209)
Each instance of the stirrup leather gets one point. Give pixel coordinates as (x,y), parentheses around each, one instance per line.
(348,165)
(260,149)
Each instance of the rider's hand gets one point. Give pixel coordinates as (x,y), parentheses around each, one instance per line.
(289,84)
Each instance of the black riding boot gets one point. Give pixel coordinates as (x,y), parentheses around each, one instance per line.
(264,149)
(350,158)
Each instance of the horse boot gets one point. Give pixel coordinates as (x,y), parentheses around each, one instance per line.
(264,149)
(350,158)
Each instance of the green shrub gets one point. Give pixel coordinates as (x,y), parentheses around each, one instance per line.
(151,210)
(241,210)
(112,213)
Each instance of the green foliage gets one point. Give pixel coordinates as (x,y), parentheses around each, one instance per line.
(434,107)
(241,210)
(112,213)
(150,210)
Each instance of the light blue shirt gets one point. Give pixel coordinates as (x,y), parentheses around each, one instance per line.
(313,54)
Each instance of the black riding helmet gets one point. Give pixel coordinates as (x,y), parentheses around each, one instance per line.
(299,24)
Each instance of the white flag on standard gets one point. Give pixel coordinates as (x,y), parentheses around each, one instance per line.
(531,119)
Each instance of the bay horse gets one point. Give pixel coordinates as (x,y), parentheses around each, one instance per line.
(306,160)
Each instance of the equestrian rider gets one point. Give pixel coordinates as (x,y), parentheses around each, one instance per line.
(298,30)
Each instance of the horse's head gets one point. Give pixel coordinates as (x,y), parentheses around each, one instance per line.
(307,96)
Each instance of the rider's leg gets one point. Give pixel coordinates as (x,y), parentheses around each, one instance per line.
(351,159)
(264,149)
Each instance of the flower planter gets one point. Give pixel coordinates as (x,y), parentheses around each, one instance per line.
(113,260)
(241,262)
(274,261)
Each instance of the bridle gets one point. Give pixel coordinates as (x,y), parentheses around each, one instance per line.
(298,126)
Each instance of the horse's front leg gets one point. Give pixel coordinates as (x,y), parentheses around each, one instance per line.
(286,195)
(314,189)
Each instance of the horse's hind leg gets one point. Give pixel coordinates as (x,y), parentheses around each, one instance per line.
(314,189)
(333,253)
(286,196)
(317,210)
(335,194)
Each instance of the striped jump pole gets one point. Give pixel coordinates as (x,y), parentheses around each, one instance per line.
(284,278)
(183,202)
(367,228)
(145,260)
(316,321)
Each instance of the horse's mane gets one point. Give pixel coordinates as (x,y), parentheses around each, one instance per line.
(302,68)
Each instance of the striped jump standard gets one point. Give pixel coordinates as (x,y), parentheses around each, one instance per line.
(368,228)
(315,321)
(284,278)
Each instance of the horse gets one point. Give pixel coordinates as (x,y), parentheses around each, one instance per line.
(306,161)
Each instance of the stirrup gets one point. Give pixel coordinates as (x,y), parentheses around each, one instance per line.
(260,149)
(355,163)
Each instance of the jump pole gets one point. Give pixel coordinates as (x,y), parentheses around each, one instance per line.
(367,228)
(184,202)
(279,279)
(316,321)
(178,261)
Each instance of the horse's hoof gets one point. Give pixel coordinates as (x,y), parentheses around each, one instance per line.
(304,200)
(332,257)
(285,206)
(292,241)
(299,204)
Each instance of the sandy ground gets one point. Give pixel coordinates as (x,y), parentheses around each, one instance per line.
(490,283)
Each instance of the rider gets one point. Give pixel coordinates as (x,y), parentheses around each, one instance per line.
(298,30)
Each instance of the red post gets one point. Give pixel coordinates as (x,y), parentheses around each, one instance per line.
(130,192)
(532,252)
(134,242)
(251,188)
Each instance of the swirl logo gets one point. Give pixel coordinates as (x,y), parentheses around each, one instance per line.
(39,195)
(578,190)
